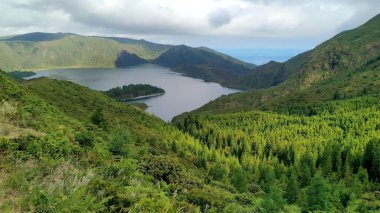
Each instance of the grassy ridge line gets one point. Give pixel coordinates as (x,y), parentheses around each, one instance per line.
(71,51)
(345,66)
(364,80)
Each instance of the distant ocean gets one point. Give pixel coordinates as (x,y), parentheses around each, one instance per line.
(262,56)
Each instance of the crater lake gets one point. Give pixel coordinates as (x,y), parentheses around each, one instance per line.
(182,94)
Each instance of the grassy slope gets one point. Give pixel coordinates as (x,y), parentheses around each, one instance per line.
(272,73)
(70,51)
(361,81)
(347,64)
(227,57)
(46,167)
(66,174)
(346,51)
(204,64)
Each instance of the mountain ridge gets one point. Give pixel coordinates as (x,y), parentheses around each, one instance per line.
(36,51)
(302,78)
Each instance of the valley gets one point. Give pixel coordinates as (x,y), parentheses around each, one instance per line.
(303,136)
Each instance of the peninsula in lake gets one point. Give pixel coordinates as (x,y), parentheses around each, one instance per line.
(134,92)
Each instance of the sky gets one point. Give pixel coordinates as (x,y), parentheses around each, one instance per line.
(281,24)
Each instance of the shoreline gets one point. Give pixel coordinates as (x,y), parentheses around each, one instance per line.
(142,97)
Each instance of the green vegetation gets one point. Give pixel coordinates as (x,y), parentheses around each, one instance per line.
(134,91)
(314,148)
(126,59)
(79,150)
(346,51)
(140,105)
(205,64)
(36,51)
(324,162)
(322,74)
(41,51)
(20,75)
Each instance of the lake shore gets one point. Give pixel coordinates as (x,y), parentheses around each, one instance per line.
(142,97)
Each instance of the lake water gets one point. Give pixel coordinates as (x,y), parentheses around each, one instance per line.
(182,93)
(261,56)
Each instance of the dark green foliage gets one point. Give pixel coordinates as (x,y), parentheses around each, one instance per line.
(98,119)
(239,179)
(119,142)
(372,159)
(85,138)
(337,95)
(133,91)
(168,170)
(319,194)
(205,64)
(20,75)
(219,171)
(126,59)
(274,201)
(174,147)
(292,189)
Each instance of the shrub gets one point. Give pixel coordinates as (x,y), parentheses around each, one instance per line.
(85,139)
(119,141)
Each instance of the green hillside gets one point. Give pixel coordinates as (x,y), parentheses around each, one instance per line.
(205,64)
(67,148)
(49,51)
(309,144)
(345,66)
(272,73)
(361,81)
(38,51)
(344,52)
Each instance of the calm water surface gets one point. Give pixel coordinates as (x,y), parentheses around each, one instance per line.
(182,93)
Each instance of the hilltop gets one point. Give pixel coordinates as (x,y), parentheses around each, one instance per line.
(37,51)
(204,63)
(345,66)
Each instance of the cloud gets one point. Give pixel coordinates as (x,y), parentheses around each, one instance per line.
(182,21)
(218,18)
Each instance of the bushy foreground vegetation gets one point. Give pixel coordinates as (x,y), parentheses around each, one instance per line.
(68,148)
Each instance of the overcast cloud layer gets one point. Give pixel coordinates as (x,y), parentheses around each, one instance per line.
(215,23)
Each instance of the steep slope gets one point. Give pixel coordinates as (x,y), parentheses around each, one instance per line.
(75,150)
(227,57)
(126,59)
(272,73)
(345,51)
(34,51)
(78,150)
(347,64)
(61,50)
(204,64)
(361,81)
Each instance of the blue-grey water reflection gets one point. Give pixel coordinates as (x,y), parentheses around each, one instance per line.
(182,93)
